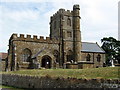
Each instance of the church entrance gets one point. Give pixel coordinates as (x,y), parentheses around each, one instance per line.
(46,62)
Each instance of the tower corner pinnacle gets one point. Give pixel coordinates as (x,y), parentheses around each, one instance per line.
(76,6)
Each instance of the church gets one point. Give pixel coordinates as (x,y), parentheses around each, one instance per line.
(62,49)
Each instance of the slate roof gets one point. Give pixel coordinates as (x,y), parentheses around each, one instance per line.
(91,47)
(86,47)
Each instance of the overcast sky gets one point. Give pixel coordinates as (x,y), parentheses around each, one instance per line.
(99,18)
(119,21)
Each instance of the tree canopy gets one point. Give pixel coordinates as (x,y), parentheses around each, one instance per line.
(112,48)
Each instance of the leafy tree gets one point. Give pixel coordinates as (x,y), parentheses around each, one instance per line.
(112,48)
(118,51)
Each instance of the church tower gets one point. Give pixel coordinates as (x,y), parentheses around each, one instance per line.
(65,26)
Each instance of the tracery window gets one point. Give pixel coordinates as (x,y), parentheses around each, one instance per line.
(26,55)
(88,57)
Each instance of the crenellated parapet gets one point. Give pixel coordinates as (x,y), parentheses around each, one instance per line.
(35,38)
(61,11)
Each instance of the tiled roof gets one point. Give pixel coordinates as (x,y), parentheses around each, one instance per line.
(91,47)
(3,55)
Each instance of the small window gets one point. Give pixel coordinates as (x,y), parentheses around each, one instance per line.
(98,57)
(88,57)
(69,34)
(69,22)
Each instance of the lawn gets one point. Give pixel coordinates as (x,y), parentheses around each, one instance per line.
(98,73)
(9,88)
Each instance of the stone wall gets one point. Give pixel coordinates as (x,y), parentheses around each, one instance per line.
(93,59)
(18,43)
(0,71)
(3,65)
(23,81)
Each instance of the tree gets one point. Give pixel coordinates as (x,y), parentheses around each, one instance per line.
(112,48)
(118,51)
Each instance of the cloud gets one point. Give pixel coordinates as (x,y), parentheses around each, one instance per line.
(19,16)
(99,18)
(26,20)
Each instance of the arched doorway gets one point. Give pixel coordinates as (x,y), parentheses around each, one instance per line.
(46,61)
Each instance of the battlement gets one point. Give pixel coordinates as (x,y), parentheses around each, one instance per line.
(35,38)
(61,11)
(65,12)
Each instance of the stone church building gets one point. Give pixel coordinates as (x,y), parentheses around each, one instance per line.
(62,49)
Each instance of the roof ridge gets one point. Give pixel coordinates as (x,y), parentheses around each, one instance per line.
(90,42)
(100,48)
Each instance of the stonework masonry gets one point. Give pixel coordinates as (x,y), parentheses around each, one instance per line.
(35,45)
(63,49)
(23,81)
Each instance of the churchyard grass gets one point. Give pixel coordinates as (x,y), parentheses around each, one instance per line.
(9,88)
(98,73)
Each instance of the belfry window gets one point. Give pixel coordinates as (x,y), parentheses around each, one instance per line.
(69,22)
(88,57)
(69,34)
(26,55)
(98,57)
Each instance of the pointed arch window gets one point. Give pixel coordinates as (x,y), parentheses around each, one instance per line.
(26,55)
(88,57)
(69,22)
(98,57)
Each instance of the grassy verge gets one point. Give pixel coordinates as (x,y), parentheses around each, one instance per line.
(104,73)
(10,88)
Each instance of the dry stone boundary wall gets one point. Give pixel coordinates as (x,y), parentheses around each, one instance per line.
(23,81)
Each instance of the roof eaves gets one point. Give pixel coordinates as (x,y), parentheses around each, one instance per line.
(91,51)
